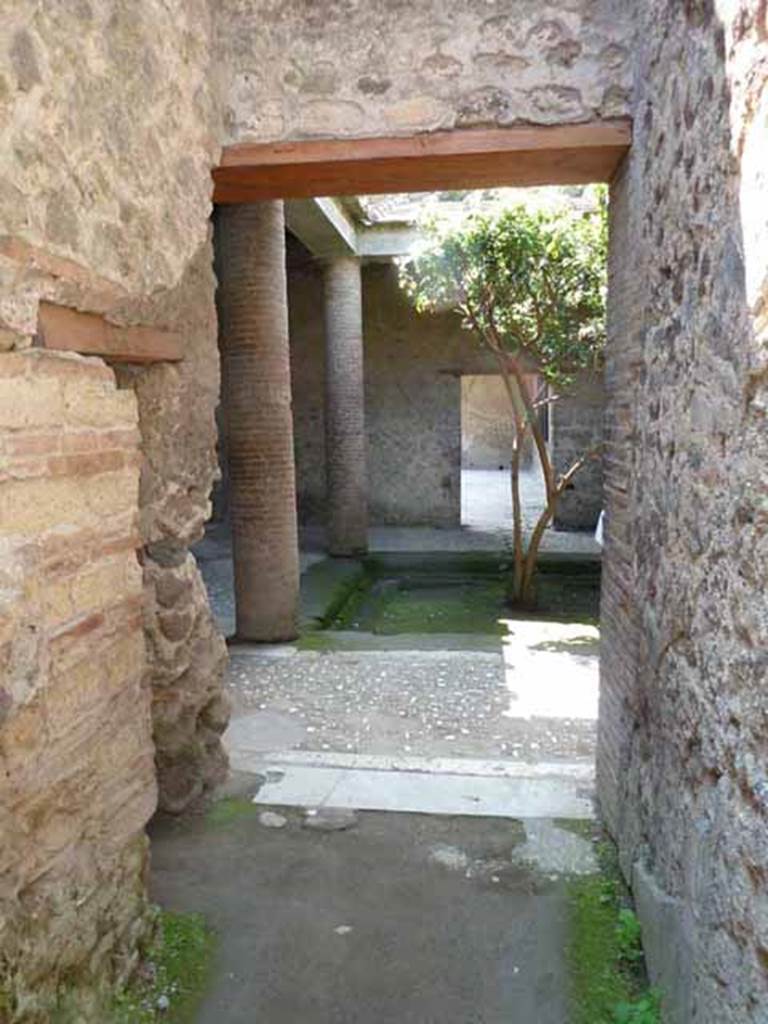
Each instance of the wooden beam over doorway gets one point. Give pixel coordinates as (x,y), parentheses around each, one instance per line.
(571,154)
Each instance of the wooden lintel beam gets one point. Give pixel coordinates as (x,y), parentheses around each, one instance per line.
(69,330)
(471,158)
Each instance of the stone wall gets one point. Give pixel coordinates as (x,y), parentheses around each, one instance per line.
(108,131)
(576,428)
(75,744)
(186,654)
(683,720)
(413,369)
(353,68)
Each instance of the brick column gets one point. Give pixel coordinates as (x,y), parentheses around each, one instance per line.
(347,491)
(256,389)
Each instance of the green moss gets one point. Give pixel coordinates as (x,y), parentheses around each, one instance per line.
(583,828)
(316,640)
(452,596)
(474,607)
(173,976)
(231,808)
(597,983)
(605,958)
(345,597)
(570,594)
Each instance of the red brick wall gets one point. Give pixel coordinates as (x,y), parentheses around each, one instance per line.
(76,757)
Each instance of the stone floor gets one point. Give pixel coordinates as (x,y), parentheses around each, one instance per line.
(486,498)
(392,847)
(523,703)
(375,918)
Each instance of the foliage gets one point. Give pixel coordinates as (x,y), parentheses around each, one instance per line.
(173,974)
(605,958)
(628,935)
(530,285)
(645,1010)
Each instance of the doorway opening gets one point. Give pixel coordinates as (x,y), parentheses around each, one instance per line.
(412,691)
(438,435)
(487,435)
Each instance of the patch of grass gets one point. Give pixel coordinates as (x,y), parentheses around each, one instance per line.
(231,808)
(605,957)
(458,597)
(173,974)
(645,1010)
(628,936)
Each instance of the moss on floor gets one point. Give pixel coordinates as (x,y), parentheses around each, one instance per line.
(450,607)
(173,974)
(347,598)
(608,984)
(455,598)
(564,596)
(230,809)
(316,640)
(582,827)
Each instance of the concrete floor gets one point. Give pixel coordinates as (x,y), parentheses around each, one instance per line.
(400,919)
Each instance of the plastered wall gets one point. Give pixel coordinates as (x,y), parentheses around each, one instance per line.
(417,67)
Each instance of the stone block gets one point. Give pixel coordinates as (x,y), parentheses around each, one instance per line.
(27,403)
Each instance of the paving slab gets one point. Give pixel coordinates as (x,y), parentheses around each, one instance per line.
(502,796)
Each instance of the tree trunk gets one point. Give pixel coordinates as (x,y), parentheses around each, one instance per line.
(517,516)
(518,551)
(521,593)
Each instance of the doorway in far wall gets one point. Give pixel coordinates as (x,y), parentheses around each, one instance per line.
(487,435)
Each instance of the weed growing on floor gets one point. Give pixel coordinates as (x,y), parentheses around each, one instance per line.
(608,982)
(172,976)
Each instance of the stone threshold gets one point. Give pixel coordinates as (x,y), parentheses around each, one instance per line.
(448,786)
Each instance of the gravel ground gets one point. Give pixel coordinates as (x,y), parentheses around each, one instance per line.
(429,704)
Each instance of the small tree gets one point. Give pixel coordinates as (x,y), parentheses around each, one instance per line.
(530,286)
